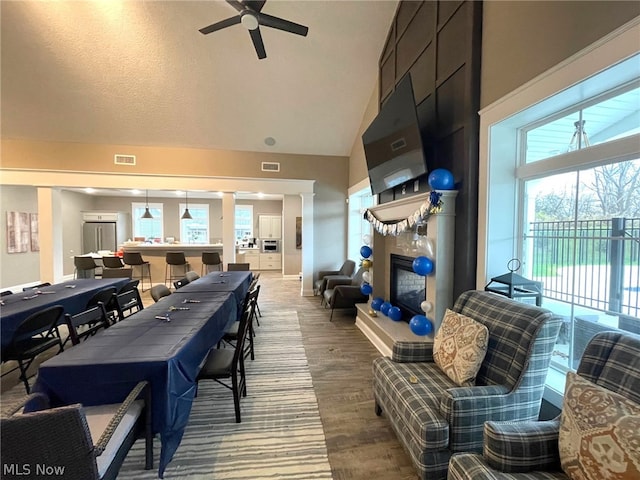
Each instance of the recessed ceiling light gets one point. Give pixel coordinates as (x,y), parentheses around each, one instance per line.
(270,141)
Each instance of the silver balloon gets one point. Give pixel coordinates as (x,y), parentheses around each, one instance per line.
(429,249)
(366,276)
(426,306)
(367,239)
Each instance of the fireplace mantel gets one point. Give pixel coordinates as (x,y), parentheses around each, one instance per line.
(440,230)
(405,207)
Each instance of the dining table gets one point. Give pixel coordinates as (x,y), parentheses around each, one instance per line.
(73,295)
(164,344)
(237,282)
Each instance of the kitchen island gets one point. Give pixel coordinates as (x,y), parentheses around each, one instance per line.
(155,253)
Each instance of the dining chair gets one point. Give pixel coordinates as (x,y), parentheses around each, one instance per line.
(181,283)
(35,287)
(129,286)
(159,291)
(84,442)
(230,336)
(237,267)
(84,264)
(191,276)
(211,259)
(86,323)
(117,273)
(134,259)
(105,297)
(36,334)
(127,303)
(225,365)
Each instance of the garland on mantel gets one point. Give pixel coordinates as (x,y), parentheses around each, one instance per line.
(428,208)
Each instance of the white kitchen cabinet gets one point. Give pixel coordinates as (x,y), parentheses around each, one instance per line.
(253,259)
(270,226)
(270,261)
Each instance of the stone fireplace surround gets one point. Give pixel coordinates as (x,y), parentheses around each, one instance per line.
(380,330)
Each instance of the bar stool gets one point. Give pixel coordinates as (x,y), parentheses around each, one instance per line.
(175,259)
(134,259)
(210,259)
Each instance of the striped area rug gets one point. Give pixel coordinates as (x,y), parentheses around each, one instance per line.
(281,435)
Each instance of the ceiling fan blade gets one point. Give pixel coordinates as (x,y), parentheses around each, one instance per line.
(256,36)
(236,4)
(255,5)
(220,25)
(282,24)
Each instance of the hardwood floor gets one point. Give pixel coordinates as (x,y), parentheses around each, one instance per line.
(361,445)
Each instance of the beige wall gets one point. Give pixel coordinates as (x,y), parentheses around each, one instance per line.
(18,266)
(522,39)
(80,157)
(329,174)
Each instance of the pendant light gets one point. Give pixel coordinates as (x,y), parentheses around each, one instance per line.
(147,213)
(186,215)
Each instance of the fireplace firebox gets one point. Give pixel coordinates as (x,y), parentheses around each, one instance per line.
(408,289)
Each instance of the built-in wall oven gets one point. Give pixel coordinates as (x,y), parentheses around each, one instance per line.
(270,246)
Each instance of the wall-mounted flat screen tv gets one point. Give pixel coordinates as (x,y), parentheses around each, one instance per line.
(392,143)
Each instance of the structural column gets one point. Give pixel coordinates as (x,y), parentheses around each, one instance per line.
(228,228)
(306,289)
(50,234)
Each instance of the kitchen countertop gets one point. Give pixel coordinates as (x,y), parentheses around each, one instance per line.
(171,246)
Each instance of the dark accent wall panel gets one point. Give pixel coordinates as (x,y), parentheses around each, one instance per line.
(439,43)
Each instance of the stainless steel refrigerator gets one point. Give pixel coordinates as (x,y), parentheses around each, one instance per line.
(103,231)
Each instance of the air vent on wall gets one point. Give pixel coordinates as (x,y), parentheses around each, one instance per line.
(124,159)
(270,166)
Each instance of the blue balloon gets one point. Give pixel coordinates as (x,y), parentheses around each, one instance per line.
(366,289)
(384,308)
(441,179)
(376,303)
(365,251)
(420,325)
(422,265)
(395,314)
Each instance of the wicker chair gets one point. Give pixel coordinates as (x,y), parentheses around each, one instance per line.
(64,437)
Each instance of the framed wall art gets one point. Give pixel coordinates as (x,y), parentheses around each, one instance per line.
(33,230)
(18,237)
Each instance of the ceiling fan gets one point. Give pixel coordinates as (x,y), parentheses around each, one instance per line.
(251,17)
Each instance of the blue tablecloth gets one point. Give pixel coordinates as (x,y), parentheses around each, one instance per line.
(104,368)
(235,282)
(72,295)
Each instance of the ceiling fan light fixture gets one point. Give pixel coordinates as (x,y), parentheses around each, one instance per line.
(249,21)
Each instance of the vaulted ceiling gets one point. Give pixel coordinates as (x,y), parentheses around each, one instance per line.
(139,72)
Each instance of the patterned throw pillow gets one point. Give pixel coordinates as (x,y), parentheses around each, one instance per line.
(598,433)
(459,347)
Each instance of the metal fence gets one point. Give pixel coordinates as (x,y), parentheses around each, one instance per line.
(594,263)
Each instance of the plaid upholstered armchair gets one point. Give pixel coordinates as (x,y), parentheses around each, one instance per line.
(433,416)
(595,436)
